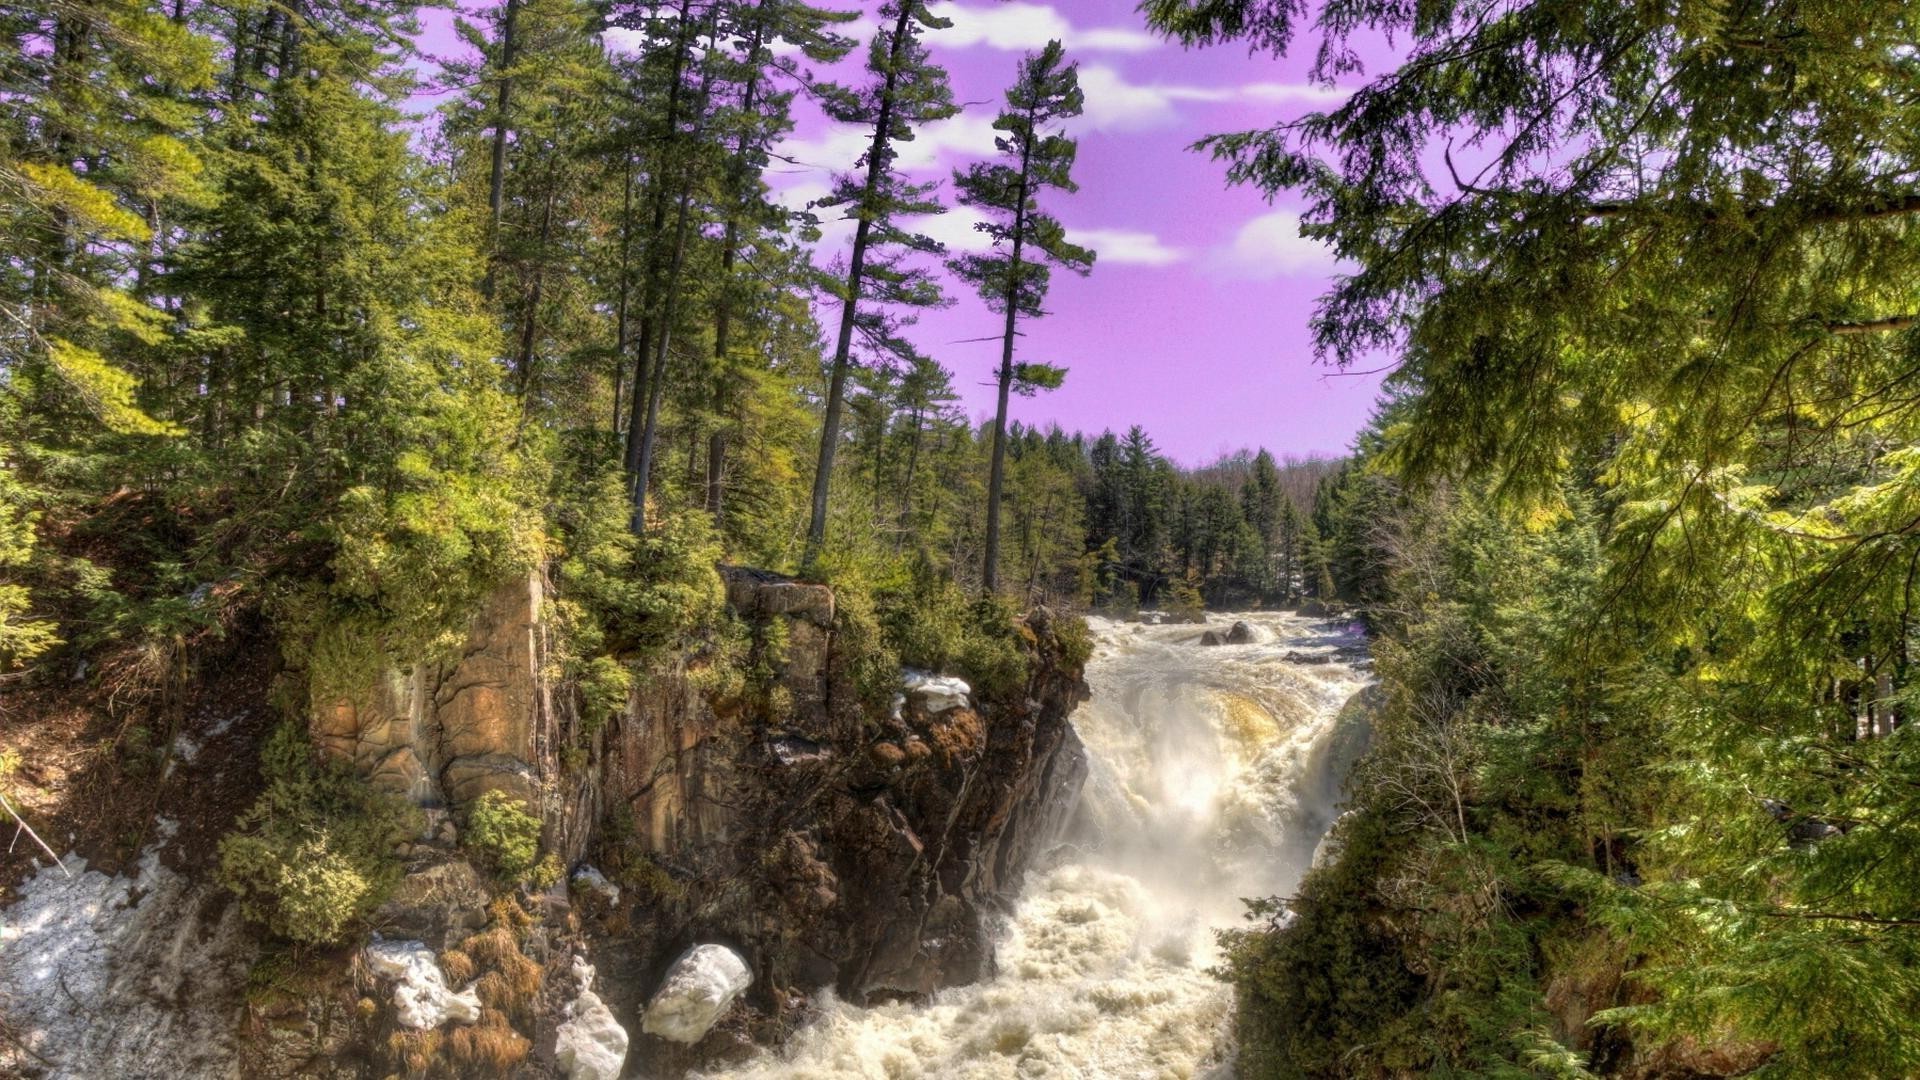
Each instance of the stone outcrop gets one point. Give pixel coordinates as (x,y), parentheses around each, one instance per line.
(442,734)
(843,843)
(830,836)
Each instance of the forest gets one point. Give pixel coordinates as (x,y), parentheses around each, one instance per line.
(275,342)
(1634,530)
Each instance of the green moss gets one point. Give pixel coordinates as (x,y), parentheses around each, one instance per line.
(315,853)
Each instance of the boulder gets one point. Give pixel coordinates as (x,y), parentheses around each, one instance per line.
(752,593)
(1243,633)
(420,991)
(698,990)
(1212,638)
(589,1044)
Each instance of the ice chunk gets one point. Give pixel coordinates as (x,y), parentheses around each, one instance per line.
(699,988)
(420,991)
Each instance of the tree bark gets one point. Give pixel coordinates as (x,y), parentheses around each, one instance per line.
(996,475)
(497,174)
(856,267)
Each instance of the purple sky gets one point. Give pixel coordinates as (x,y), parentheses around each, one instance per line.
(1193,323)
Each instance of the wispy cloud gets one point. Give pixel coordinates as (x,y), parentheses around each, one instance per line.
(1115,103)
(968,135)
(1127,247)
(955,228)
(1017,26)
(1270,246)
(958,229)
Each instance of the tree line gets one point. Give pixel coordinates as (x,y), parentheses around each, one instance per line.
(276,341)
(1640,542)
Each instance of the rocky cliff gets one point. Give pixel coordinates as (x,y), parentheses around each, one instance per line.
(830,839)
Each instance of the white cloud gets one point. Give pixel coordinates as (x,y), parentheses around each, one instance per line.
(1127,247)
(1271,246)
(1116,104)
(955,228)
(1019,26)
(934,145)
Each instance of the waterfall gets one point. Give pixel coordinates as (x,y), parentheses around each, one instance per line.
(1214,773)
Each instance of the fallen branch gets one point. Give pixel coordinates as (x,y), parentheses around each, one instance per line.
(28,829)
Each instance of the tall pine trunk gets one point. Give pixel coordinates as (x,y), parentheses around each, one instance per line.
(670,303)
(497,171)
(856,269)
(996,474)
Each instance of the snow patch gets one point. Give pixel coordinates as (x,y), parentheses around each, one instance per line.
(941,692)
(589,879)
(420,991)
(109,975)
(699,988)
(590,1044)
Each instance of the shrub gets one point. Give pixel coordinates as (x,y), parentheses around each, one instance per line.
(604,688)
(1076,640)
(931,624)
(505,834)
(315,853)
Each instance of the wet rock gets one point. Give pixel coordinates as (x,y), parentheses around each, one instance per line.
(420,992)
(590,1044)
(1212,638)
(699,988)
(1243,633)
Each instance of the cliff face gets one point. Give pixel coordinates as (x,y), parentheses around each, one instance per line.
(838,847)
(829,842)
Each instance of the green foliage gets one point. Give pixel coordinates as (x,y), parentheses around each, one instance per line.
(1694,721)
(934,627)
(505,834)
(637,595)
(314,855)
(1076,640)
(604,690)
(870,661)
(22,637)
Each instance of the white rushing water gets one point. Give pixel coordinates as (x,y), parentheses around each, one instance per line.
(1214,772)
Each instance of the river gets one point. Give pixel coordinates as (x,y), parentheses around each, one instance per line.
(1214,773)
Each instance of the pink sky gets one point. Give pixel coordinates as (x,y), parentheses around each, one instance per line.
(1193,323)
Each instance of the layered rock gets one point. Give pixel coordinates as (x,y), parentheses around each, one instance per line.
(444,733)
(829,839)
(836,843)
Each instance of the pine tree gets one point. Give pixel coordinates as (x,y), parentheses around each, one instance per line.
(1669,251)
(908,89)
(1013,278)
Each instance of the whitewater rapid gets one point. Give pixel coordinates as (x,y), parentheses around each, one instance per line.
(1214,771)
